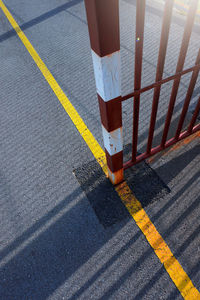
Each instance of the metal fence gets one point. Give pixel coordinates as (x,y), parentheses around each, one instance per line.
(103,23)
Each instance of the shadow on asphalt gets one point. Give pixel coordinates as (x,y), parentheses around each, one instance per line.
(39,19)
(56,254)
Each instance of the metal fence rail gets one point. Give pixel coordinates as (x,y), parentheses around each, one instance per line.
(103,23)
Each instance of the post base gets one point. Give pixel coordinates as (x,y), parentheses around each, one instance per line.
(116,177)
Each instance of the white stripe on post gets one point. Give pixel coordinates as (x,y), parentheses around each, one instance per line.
(107,72)
(113,141)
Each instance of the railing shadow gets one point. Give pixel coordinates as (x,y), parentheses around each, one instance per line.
(57,253)
(186,159)
(157,276)
(35,270)
(40,19)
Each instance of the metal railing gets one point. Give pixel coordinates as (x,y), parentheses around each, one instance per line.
(103,23)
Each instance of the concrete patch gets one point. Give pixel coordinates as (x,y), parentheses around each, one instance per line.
(143,181)
(101,194)
(146,185)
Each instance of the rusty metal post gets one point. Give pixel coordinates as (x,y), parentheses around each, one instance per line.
(140,16)
(103,25)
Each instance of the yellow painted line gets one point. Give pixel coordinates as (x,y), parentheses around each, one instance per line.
(183,143)
(71,111)
(176,147)
(163,252)
(171,264)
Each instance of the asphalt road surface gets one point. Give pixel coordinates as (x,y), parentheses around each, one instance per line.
(54,242)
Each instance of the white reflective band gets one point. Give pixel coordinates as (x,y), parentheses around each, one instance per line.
(107,72)
(113,141)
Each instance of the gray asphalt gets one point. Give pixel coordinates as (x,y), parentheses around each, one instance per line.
(52,244)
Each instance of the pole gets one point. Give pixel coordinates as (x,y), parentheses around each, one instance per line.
(103,25)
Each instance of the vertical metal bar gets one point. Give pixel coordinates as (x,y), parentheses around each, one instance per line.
(194,117)
(103,25)
(140,16)
(193,80)
(160,68)
(179,68)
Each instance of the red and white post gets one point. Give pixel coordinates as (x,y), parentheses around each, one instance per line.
(103,24)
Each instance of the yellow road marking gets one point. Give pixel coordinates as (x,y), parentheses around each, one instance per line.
(71,111)
(183,143)
(177,146)
(172,266)
(163,252)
